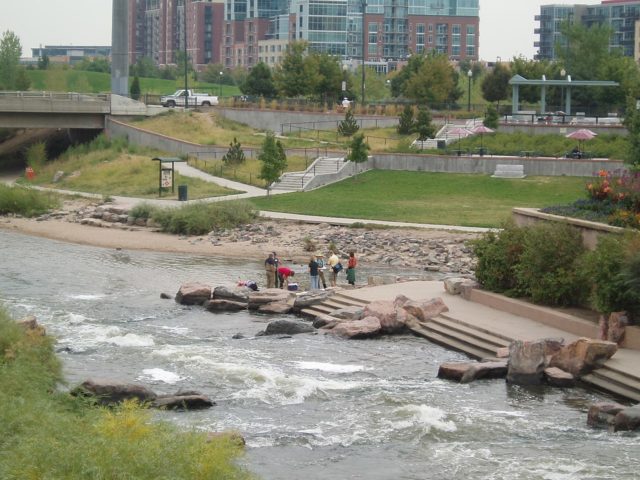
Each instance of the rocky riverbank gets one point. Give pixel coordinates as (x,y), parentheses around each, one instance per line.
(428,250)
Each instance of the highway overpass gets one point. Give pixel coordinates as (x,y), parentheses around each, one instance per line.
(65,110)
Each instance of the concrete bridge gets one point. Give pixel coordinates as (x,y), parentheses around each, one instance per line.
(65,110)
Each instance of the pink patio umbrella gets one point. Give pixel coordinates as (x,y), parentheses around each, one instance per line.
(581,135)
(481,129)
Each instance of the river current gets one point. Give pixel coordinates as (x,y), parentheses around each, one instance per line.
(310,406)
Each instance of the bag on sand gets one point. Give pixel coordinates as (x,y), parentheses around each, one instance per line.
(337,267)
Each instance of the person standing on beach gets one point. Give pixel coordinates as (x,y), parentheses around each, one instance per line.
(313,273)
(276,262)
(351,268)
(333,261)
(270,270)
(321,269)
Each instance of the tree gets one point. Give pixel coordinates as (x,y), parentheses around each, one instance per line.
(235,155)
(632,122)
(491,117)
(358,150)
(98,64)
(23,82)
(145,68)
(134,90)
(273,158)
(399,79)
(259,82)
(43,62)
(327,86)
(495,86)
(424,127)
(10,51)
(435,82)
(348,126)
(292,76)
(405,122)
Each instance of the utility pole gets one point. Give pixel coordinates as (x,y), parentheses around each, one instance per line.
(364,43)
(186,58)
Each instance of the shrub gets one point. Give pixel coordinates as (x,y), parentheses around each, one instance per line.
(201,218)
(143,210)
(498,256)
(348,126)
(310,245)
(37,155)
(405,122)
(26,201)
(235,155)
(549,270)
(614,271)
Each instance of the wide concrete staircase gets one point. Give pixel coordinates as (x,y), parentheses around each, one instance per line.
(297,181)
(480,343)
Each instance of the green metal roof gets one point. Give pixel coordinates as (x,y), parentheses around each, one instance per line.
(519,80)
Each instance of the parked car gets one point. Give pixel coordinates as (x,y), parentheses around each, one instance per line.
(177,99)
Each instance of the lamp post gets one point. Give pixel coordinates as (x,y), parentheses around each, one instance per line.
(220,94)
(364,37)
(186,82)
(469,76)
(563,74)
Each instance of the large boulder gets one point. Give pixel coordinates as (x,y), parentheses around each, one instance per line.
(193,294)
(603,414)
(583,356)
(236,294)
(456,285)
(183,402)
(288,327)
(310,298)
(426,309)
(627,419)
(385,312)
(526,362)
(617,325)
(275,308)
(110,392)
(323,320)
(559,378)
(466,372)
(366,328)
(271,295)
(224,305)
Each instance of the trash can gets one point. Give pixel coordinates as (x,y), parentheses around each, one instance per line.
(442,144)
(182,193)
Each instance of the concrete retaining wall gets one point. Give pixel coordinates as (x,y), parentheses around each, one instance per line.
(590,231)
(488,165)
(280,121)
(561,129)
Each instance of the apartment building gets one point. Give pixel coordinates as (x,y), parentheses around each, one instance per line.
(234,32)
(622,16)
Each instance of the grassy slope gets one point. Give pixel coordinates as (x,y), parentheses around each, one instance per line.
(438,198)
(46,433)
(95,82)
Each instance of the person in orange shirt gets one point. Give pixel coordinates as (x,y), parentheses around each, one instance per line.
(351,268)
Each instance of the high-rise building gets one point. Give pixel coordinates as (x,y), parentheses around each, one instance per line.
(622,16)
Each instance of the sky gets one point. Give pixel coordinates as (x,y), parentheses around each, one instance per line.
(506,26)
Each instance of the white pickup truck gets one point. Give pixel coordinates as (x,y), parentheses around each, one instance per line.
(195,99)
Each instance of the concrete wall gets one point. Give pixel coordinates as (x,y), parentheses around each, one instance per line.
(488,164)
(280,121)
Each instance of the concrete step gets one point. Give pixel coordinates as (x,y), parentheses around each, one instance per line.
(331,304)
(481,335)
(466,341)
(602,380)
(474,351)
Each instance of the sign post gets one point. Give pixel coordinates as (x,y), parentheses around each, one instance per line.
(166,173)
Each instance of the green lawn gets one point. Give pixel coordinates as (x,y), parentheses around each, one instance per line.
(438,198)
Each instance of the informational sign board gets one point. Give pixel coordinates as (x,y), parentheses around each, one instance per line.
(166,180)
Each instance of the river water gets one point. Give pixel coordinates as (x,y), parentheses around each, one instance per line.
(310,406)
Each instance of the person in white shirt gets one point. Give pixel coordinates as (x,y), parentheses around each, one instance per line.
(333,261)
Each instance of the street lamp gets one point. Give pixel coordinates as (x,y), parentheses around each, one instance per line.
(563,74)
(470,76)
(220,95)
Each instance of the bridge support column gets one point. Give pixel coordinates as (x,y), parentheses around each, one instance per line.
(120,48)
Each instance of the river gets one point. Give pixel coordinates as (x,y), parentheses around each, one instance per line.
(310,406)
